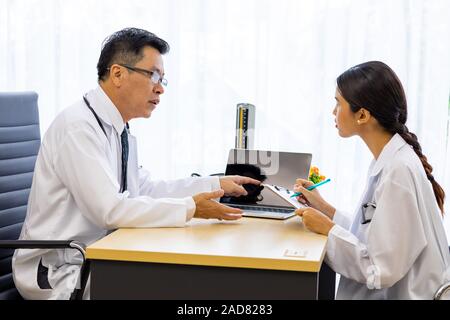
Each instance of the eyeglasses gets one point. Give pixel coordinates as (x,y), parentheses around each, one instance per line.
(154,76)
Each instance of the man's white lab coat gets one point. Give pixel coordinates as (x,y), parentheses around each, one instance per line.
(75,195)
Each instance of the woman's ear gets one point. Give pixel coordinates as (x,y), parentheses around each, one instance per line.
(363,116)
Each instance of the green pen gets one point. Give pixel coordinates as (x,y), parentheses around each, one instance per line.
(311,187)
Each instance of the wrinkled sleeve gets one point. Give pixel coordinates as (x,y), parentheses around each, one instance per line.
(83,167)
(342,218)
(175,188)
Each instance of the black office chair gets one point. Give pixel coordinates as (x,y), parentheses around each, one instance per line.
(19,145)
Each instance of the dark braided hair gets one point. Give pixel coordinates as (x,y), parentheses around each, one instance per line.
(375,86)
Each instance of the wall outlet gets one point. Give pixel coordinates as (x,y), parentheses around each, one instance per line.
(298,253)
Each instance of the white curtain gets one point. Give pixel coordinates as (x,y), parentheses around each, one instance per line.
(282,56)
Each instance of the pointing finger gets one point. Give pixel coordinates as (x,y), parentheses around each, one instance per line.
(246,180)
(240,190)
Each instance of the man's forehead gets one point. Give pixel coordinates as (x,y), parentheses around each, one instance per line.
(153,59)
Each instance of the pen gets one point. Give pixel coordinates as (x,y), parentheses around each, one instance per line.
(311,187)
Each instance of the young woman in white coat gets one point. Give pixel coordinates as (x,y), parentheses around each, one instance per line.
(395,247)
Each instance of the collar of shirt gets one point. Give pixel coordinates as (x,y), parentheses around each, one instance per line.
(395,144)
(105,109)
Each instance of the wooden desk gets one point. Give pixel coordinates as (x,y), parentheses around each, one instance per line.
(210,259)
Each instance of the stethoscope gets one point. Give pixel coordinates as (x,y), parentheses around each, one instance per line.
(86,101)
(95,114)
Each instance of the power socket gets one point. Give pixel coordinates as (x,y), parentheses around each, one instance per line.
(297,253)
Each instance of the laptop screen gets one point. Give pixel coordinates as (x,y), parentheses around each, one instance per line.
(269,167)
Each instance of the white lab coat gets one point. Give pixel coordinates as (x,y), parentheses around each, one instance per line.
(403,252)
(75,195)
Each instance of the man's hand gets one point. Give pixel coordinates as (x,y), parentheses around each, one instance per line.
(207,208)
(315,220)
(232,185)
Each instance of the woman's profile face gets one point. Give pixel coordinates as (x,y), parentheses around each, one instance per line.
(345,119)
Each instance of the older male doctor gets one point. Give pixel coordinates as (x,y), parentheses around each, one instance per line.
(87,181)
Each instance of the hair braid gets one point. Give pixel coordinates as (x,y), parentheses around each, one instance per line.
(412,140)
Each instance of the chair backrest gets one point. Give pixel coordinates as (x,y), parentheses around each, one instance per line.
(19,145)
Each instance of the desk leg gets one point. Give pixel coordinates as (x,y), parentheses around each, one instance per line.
(138,280)
(327,283)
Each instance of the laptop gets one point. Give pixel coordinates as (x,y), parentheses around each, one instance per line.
(276,171)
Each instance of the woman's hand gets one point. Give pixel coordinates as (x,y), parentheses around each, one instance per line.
(315,220)
(313,198)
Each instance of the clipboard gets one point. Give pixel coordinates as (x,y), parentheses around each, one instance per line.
(285,194)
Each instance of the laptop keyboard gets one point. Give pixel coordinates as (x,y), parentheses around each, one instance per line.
(266,209)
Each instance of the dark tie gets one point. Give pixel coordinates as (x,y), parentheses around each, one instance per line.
(124,140)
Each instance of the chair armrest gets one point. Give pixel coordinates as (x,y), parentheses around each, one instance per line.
(442,291)
(35,244)
(55,244)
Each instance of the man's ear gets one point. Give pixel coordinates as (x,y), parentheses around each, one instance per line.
(363,116)
(116,74)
